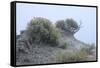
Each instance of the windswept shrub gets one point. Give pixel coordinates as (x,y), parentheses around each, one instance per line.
(68,25)
(41,30)
(72,25)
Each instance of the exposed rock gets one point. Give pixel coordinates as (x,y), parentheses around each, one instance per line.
(71,40)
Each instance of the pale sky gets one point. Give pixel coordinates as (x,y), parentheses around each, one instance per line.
(87,15)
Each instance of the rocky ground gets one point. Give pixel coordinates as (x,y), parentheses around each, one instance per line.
(27,53)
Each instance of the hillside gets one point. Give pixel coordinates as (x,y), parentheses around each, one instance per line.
(64,47)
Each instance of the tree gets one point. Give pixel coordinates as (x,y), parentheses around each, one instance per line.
(72,25)
(60,24)
(41,30)
(69,25)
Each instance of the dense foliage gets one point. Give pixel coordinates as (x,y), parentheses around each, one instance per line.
(68,25)
(41,30)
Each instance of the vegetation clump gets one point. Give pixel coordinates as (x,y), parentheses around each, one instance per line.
(65,45)
(68,25)
(83,54)
(41,30)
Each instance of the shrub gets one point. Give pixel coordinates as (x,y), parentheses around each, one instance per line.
(82,54)
(41,30)
(69,25)
(90,48)
(74,56)
(60,24)
(64,46)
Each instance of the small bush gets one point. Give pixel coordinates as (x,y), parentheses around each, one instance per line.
(90,48)
(64,46)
